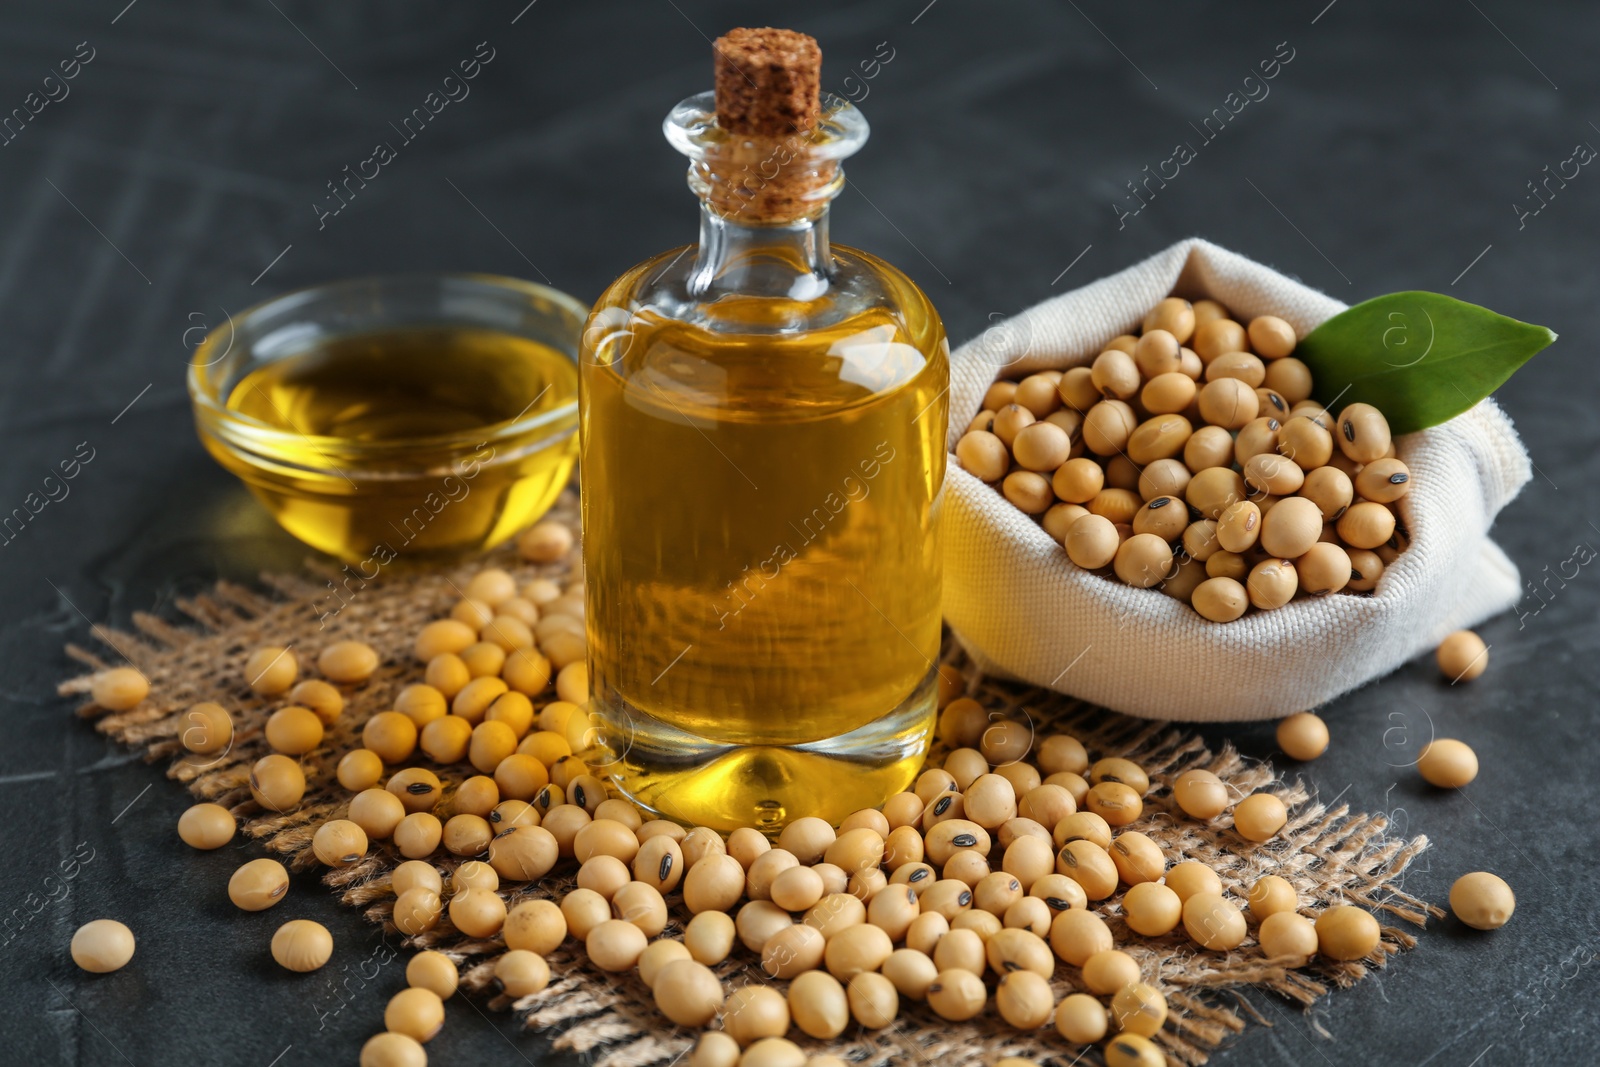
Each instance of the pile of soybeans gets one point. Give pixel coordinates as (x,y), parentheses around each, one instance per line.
(975,893)
(1207,473)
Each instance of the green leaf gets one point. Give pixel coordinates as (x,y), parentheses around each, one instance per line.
(1420,358)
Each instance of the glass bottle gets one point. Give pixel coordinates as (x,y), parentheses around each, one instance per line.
(762,452)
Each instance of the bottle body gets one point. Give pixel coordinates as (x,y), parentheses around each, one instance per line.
(761,480)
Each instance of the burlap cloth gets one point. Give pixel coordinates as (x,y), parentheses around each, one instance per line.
(1328,852)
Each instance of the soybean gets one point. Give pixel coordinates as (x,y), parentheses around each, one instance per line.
(1152,909)
(258,885)
(207,728)
(818,1005)
(206,826)
(983,455)
(1447,763)
(1077,934)
(754,1012)
(1174,315)
(1363,433)
(1270,895)
(1482,900)
(1024,1000)
(377,811)
(348,662)
(1107,426)
(1220,599)
(1324,568)
(1133,1050)
(1384,480)
(1160,437)
(1291,528)
(277,783)
(1228,403)
(1462,656)
(1115,373)
(416,1012)
(1200,794)
(1272,583)
(1107,971)
(655,957)
(1242,366)
(1287,936)
(545,542)
(1013,949)
(1043,446)
(1239,526)
(478,912)
(520,973)
(102,946)
(1303,736)
(1081,1019)
(536,925)
(302,945)
(1345,932)
(912,972)
(1289,378)
(1164,477)
(1116,803)
(271,670)
(418,835)
(1192,877)
(417,788)
(1209,446)
(1213,922)
(1137,858)
(1270,473)
(1214,336)
(688,993)
(358,769)
(957,995)
(339,843)
(1366,525)
(417,910)
(874,1001)
(1259,817)
(392,735)
(524,853)
(393,1050)
(856,949)
(1030,492)
(1213,489)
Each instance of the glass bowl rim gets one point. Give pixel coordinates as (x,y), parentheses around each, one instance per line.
(203,393)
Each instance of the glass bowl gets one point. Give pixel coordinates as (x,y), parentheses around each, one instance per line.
(414,451)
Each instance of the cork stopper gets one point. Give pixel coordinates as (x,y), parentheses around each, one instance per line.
(768,82)
(769,98)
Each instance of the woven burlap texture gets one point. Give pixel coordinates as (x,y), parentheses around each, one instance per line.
(1330,853)
(1023,610)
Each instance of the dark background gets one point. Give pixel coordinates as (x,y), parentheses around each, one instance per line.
(187,157)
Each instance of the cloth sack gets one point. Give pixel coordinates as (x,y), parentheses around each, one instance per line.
(1024,611)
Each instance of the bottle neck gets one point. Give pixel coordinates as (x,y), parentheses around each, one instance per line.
(790,260)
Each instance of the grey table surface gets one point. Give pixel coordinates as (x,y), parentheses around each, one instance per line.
(174,179)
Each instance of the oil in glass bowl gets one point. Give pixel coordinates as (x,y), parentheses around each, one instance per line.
(440,433)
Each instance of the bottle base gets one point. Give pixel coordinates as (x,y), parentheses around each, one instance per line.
(677,775)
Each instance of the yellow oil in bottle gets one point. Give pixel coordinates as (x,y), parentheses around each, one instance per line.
(761,513)
(399,446)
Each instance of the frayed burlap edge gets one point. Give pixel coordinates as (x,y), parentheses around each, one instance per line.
(1330,853)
